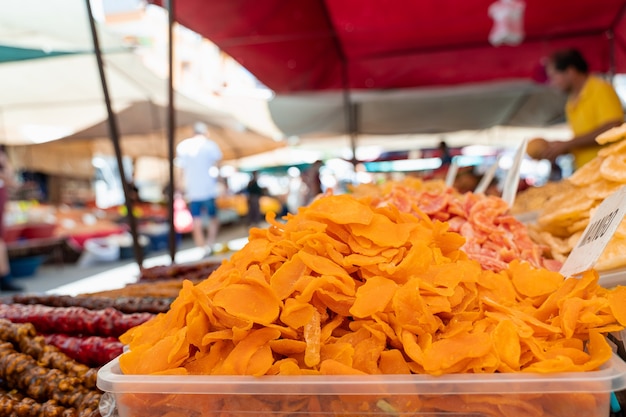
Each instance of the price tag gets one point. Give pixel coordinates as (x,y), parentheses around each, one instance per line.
(597,235)
(511,182)
(453,168)
(485,181)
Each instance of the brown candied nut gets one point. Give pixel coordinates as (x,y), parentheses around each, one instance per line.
(20,371)
(52,357)
(11,332)
(89,413)
(16,405)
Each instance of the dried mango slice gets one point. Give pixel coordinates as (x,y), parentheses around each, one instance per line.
(367,353)
(297,314)
(336,302)
(341,209)
(536,283)
(599,349)
(323,266)
(197,326)
(618,306)
(613,168)
(373,296)
(250,302)
(383,232)
(167,353)
(507,345)
(392,362)
(333,367)
(339,352)
(284,280)
(446,353)
(587,174)
(205,363)
(214,336)
(246,355)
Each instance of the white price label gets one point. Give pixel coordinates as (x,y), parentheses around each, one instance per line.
(485,181)
(597,235)
(453,168)
(511,182)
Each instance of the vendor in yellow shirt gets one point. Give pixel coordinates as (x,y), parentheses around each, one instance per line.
(592,106)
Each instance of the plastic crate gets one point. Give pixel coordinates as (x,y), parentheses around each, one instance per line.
(159,242)
(581,394)
(25,266)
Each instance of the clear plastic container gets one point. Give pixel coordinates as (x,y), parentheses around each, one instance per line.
(612,278)
(489,395)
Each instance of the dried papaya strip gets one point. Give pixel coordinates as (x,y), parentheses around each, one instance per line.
(312,337)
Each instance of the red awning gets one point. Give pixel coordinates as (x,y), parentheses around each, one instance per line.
(311,45)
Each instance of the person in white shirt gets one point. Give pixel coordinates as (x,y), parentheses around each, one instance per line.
(198,157)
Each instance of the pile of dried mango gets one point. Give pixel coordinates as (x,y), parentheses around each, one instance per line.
(349,286)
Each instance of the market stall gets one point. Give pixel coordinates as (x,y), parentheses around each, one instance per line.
(412,246)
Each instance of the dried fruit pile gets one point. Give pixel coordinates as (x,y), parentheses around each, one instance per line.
(493,236)
(73,320)
(359,286)
(39,380)
(193,272)
(137,304)
(566,214)
(88,336)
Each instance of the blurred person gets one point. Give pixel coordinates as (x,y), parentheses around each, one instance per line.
(254,193)
(7,180)
(556,172)
(312,181)
(592,106)
(198,157)
(444,153)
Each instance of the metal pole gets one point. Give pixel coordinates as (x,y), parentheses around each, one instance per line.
(115,138)
(171,124)
(350,110)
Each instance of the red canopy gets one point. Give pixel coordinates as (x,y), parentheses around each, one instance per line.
(311,45)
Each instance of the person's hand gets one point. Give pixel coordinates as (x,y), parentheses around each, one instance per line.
(554,149)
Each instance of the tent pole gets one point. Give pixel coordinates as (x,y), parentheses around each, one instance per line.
(115,138)
(353,131)
(350,111)
(349,108)
(171,123)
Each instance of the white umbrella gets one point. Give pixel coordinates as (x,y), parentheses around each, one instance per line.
(51,98)
(54,25)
